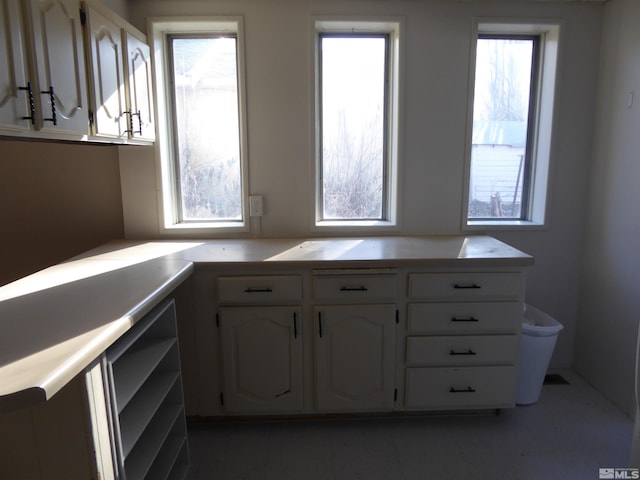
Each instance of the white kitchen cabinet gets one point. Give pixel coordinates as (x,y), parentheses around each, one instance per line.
(109,105)
(460,388)
(261,343)
(139,85)
(145,394)
(43,79)
(15,110)
(354,357)
(463,334)
(121,100)
(354,339)
(262,359)
(58,77)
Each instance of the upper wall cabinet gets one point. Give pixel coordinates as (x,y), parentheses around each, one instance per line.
(120,78)
(43,90)
(107,75)
(15,114)
(140,86)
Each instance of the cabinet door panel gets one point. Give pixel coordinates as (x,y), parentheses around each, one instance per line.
(57,35)
(140,87)
(262,359)
(108,75)
(14,102)
(355,357)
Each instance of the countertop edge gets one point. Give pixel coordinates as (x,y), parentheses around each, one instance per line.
(65,372)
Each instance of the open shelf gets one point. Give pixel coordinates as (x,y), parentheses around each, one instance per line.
(147,400)
(154,439)
(135,418)
(169,456)
(134,368)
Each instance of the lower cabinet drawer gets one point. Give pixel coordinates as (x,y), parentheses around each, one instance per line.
(460,388)
(264,289)
(464,318)
(354,288)
(462,350)
(466,286)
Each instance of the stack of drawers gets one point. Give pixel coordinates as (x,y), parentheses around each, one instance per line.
(463,335)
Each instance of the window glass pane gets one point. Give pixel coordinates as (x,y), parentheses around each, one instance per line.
(500,126)
(353,126)
(207,128)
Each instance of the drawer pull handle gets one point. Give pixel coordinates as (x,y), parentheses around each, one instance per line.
(464,319)
(258,290)
(468,352)
(466,287)
(354,289)
(320,324)
(462,390)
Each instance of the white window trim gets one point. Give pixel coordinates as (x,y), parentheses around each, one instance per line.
(542,144)
(394,26)
(159,28)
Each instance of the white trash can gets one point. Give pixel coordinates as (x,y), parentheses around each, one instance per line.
(539,335)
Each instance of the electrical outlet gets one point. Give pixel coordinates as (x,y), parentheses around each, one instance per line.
(255,205)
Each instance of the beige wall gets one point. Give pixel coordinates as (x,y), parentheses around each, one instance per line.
(437,37)
(56,200)
(610,303)
(118,6)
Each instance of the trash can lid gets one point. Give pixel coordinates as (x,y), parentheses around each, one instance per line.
(539,324)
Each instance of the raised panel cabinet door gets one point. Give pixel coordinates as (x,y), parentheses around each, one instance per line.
(107,74)
(262,359)
(354,357)
(140,87)
(14,92)
(59,61)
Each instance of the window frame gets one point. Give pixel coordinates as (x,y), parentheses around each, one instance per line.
(377,27)
(161,29)
(540,136)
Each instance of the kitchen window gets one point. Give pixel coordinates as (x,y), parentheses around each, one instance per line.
(510,127)
(203,164)
(356,123)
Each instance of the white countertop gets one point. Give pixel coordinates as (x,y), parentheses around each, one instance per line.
(54,323)
(476,250)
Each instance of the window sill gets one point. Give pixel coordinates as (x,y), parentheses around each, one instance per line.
(214,228)
(356,225)
(484,225)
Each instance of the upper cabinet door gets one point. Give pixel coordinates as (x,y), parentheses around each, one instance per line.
(107,76)
(140,87)
(14,93)
(59,62)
